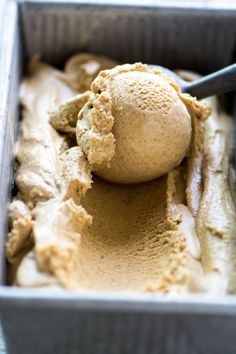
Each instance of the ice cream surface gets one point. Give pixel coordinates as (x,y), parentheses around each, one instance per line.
(152,126)
(71,229)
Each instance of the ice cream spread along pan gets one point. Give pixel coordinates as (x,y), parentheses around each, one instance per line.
(124,183)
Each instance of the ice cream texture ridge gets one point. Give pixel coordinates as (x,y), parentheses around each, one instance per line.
(124,183)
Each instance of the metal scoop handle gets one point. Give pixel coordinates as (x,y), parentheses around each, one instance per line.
(220,81)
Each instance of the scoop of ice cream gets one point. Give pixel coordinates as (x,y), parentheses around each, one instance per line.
(152,126)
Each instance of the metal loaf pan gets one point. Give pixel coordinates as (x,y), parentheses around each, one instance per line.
(43,322)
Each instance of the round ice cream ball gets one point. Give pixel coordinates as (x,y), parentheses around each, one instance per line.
(152,127)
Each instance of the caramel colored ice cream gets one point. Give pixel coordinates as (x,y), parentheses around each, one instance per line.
(82,69)
(70,229)
(152,126)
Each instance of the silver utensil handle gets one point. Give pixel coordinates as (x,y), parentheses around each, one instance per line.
(221,81)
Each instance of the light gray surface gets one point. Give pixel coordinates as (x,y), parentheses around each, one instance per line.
(93,324)
(2,343)
(149,34)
